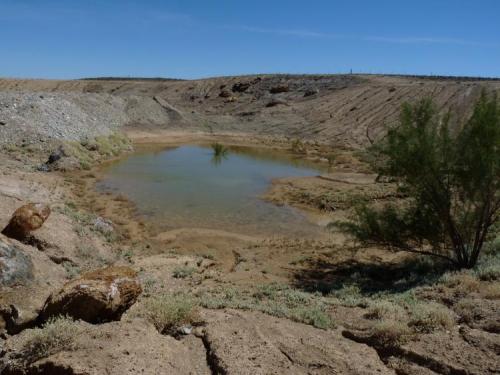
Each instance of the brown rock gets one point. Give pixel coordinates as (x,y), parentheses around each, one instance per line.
(97,296)
(241,87)
(279,89)
(225,94)
(276,101)
(25,219)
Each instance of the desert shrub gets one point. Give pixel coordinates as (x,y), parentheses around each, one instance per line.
(350,296)
(168,312)
(431,316)
(183,271)
(450,180)
(298,147)
(390,333)
(488,269)
(57,335)
(467,309)
(386,310)
(273,299)
(463,280)
(111,145)
(491,291)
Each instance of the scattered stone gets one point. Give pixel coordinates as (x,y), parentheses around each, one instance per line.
(26,219)
(103,225)
(311,92)
(241,87)
(186,330)
(279,89)
(56,155)
(3,123)
(98,296)
(225,94)
(15,266)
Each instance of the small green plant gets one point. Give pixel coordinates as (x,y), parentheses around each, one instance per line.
(273,299)
(72,269)
(331,159)
(183,271)
(170,311)
(349,295)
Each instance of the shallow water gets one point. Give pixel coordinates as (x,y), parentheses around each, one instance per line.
(186,187)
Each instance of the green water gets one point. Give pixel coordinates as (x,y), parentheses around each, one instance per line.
(186,186)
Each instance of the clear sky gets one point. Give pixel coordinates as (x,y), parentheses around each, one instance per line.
(201,38)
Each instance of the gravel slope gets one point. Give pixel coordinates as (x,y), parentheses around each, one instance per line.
(346,110)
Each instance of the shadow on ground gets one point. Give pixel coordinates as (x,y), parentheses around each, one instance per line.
(326,276)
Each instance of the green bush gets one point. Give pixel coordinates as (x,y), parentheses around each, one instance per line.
(183,271)
(450,178)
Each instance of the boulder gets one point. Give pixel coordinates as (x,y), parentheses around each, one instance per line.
(225,94)
(26,219)
(311,92)
(56,155)
(16,267)
(98,296)
(241,87)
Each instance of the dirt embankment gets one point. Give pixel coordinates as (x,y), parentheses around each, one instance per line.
(342,110)
(215,302)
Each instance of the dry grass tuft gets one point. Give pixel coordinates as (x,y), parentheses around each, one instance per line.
(390,333)
(462,280)
(57,335)
(431,316)
(386,310)
(168,312)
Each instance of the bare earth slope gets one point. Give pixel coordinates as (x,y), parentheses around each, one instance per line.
(347,110)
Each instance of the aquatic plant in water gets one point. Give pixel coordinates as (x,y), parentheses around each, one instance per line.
(220,152)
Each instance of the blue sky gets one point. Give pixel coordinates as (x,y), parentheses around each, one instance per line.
(192,39)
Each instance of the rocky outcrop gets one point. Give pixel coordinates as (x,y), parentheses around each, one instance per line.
(311,92)
(26,219)
(97,296)
(16,267)
(241,86)
(225,94)
(116,348)
(240,342)
(279,89)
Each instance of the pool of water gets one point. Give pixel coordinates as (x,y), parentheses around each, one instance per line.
(186,186)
